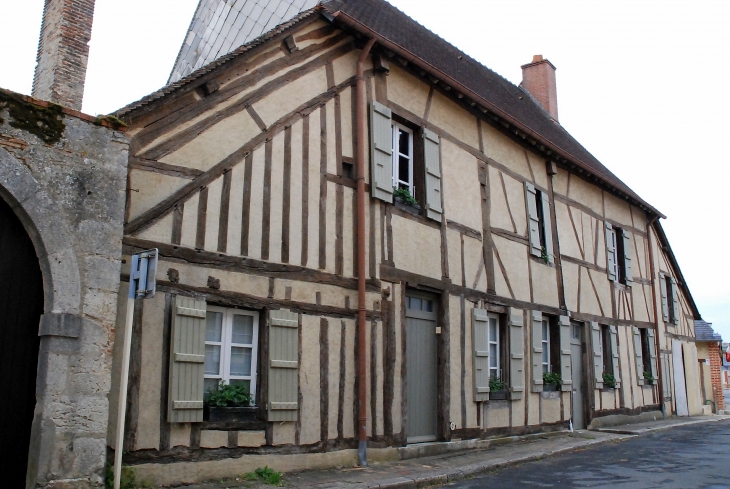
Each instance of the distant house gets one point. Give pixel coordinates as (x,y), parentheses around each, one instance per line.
(711,357)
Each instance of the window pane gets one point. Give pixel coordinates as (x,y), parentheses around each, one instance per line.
(246,383)
(210,385)
(415,303)
(428,306)
(242,329)
(213,326)
(492,355)
(545,330)
(545,368)
(240,361)
(404,146)
(212,359)
(545,353)
(493,330)
(404,173)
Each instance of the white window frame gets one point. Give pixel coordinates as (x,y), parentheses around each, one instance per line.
(226,343)
(494,372)
(396,157)
(545,327)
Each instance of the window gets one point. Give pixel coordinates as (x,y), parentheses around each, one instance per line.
(418,304)
(541,217)
(670,293)
(545,346)
(403,158)
(606,349)
(540,225)
(645,351)
(231,339)
(618,254)
(495,370)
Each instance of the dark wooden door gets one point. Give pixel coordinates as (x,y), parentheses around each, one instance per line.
(21,306)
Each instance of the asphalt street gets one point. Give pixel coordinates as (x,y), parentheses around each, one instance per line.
(689,457)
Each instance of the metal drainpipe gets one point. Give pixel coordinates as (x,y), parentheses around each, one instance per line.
(660,366)
(361,197)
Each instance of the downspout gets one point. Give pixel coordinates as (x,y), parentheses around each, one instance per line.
(660,363)
(362,117)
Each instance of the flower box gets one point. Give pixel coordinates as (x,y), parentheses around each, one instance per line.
(498,396)
(216,414)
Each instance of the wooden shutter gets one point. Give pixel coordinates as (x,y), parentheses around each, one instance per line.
(628,264)
(432,159)
(546,214)
(536,351)
(597,354)
(566,372)
(533,219)
(615,355)
(665,302)
(675,302)
(652,353)
(283,366)
(611,252)
(480,337)
(517,355)
(638,352)
(187,361)
(381,152)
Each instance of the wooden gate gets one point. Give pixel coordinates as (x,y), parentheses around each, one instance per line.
(21,306)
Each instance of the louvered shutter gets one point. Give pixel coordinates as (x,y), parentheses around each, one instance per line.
(533,219)
(611,252)
(628,263)
(187,361)
(517,355)
(665,301)
(432,157)
(675,302)
(283,365)
(536,351)
(652,353)
(638,352)
(480,337)
(548,227)
(381,152)
(615,355)
(566,372)
(597,354)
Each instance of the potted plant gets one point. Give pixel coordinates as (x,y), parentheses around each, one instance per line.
(551,381)
(404,195)
(648,378)
(229,403)
(609,381)
(497,389)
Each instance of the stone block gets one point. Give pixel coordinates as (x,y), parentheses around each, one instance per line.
(213,439)
(102,273)
(251,438)
(58,324)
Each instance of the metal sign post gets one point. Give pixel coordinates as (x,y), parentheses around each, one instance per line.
(141,286)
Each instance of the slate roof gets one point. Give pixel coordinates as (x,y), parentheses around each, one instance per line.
(704,332)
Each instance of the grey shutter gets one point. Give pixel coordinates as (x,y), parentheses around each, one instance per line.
(565,369)
(480,337)
(615,355)
(597,354)
(652,353)
(517,355)
(187,361)
(675,302)
(638,352)
(628,264)
(381,152)
(548,227)
(533,220)
(432,159)
(665,302)
(283,366)
(536,317)
(611,251)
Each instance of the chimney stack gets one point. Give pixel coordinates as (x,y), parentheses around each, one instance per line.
(538,78)
(63,52)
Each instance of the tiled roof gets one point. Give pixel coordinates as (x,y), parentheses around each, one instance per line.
(704,332)
(220,26)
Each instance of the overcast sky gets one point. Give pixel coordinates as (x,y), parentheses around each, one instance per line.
(641,84)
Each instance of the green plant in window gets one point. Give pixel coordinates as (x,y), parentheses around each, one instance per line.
(496,384)
(553,378)
(609,380)
(545,256)
(405,195)
(649,378)
(229,395)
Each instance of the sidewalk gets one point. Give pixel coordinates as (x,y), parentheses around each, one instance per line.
(440,469)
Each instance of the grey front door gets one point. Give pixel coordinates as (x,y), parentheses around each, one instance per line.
(576,362)
(421,367)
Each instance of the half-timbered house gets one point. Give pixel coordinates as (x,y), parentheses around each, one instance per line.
(387,243)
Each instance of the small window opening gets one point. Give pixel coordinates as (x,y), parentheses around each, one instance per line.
(670,300)
(607,352)
(541,218)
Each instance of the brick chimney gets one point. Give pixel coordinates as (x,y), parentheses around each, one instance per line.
(63,52)
(538,78)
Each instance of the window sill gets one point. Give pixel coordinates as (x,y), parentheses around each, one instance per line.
(540,261)
(250,425)
(414,209)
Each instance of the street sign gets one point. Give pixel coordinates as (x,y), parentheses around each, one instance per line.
(142,275)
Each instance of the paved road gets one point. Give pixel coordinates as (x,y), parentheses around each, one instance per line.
(690,457)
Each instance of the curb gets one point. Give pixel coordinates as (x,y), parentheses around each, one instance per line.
(627,431)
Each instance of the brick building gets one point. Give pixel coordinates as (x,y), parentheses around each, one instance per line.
(710,356)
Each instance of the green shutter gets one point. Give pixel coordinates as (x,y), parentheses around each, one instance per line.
(615,355)
(283,366)
(536,330)
(628,263)
(652,353)
(480,337)
(548,226)
(381,152)
(566,372)
(187,361)
(597,354)
(533,220)
(432,159)
(611,252)
(665,301)
(675,302)
(638,352)
(516,355)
